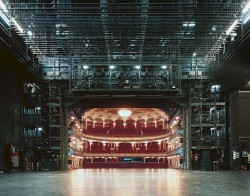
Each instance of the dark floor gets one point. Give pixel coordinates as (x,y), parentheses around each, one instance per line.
(126,182)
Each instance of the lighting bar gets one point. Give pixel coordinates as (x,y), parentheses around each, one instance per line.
(232,27)
(188,24)
(17,25)
(246,19)
(3,7)
(4,17)
(246,8)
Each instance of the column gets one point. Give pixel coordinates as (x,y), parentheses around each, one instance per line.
(159,144)
(232,131)
(63,131)
(90,143)
(187,135)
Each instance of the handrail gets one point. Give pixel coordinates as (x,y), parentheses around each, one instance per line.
(108,155)
(125,139)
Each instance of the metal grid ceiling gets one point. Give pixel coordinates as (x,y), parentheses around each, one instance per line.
(99,34)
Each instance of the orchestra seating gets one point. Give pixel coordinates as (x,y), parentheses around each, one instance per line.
(125,165)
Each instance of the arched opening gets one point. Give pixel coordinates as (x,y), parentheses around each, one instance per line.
(146,138)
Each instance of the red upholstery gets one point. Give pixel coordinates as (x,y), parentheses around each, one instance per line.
(124,165)
(152,147)
(128,131)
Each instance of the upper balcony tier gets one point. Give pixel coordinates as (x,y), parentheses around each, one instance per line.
(121,138)
(125,125)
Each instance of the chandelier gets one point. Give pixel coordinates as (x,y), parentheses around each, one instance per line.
(124,112)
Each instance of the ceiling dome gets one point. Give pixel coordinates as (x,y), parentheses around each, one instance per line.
(136,114)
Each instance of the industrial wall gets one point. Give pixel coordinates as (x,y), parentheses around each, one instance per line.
(244,122)
(10,113)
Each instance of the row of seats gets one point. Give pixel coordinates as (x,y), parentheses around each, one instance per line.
(125,132)
(152,147)
(125,165)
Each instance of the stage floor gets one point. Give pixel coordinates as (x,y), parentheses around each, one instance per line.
(126,182)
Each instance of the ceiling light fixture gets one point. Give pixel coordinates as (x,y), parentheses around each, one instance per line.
(19,28)
(138,67)
(29,33)
(85,67)
(246,19)
(246,8)
(232,27)
(124,112)
(111,67)
(4,17)
(188,24)
(3,7)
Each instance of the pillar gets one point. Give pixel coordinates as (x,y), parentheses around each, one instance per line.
(232,130)
(90,143)
(63,131)
(187,136)
(159,144)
